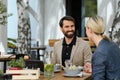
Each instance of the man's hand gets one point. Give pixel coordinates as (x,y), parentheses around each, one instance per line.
(87,67)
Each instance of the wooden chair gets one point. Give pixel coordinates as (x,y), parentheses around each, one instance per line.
(52,42)
(92,45)
(34,64)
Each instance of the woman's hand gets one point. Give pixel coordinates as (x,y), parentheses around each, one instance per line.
(87,67)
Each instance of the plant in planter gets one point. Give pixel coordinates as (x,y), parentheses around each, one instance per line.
(16,64)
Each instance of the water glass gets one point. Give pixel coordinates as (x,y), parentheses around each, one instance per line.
(68,63)
(49,70)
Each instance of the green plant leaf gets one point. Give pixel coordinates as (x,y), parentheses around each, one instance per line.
(17,63)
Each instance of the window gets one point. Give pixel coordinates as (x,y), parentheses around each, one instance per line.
(90,8)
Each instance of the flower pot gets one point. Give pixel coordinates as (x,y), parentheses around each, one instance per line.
(15,68)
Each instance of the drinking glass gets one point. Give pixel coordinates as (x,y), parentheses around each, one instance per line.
(68,63)
(49,71)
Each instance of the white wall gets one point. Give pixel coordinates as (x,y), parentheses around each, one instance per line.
(49,13)
(3,31)
(54,10)
(3,35)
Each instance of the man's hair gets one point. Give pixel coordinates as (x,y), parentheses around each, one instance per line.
(69,18)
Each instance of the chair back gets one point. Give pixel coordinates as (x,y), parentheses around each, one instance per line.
(35,64)
(52,42)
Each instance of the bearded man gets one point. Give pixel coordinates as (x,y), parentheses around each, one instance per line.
(71,48)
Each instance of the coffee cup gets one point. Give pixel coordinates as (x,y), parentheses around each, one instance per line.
(57,67)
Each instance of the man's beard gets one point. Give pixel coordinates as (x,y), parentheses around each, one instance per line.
(69,35)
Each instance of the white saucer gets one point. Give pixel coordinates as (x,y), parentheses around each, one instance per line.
(58,70)
(73,75)
(68,75)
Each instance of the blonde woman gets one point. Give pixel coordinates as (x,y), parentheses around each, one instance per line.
(106,58)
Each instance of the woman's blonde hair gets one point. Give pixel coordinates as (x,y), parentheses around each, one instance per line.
(97,25)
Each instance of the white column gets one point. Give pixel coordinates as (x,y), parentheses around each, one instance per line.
(54,10)
(3,30)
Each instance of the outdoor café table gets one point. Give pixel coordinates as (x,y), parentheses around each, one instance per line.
(60,76)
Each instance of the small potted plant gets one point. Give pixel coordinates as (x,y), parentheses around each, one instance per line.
(16,64)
